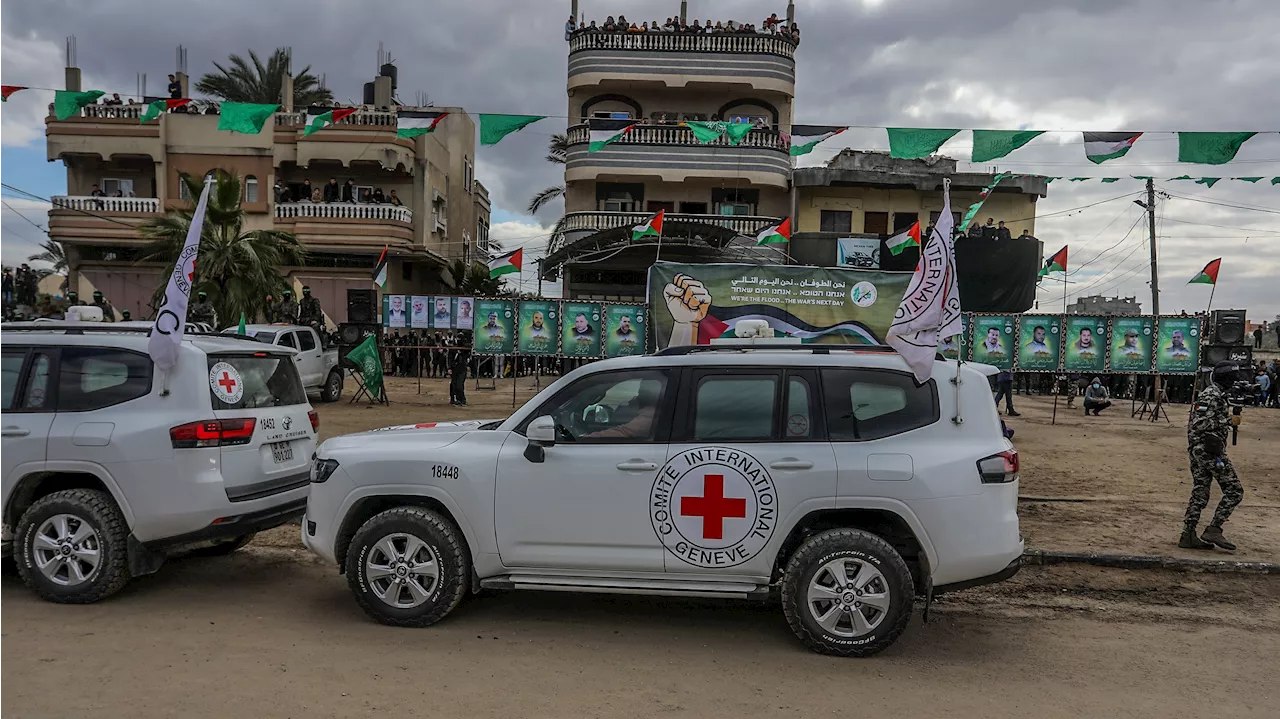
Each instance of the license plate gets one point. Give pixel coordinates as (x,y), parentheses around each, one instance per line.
(281,452)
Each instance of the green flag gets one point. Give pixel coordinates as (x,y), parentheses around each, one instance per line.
(1208,181)
(1109,180)
(992,144)
(244,117)
(982,197)
(495,127)
(241,330)
(367,357)
(706,132)
(67,103)
(1275,180)
(736,131)
(1210,148)
(317,120)
(1247,179)
(911,143)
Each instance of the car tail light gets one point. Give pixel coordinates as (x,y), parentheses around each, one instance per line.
(213,433)
(314,416)
(999,468)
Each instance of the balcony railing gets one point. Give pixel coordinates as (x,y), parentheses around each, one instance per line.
(684,42)
(110,112)
(343,211)
(361,117)
(677,135)
(106,204)
(749,225)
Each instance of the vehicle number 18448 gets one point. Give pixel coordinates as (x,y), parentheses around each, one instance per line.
(444,471)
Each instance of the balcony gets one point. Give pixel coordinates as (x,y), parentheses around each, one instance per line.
(336,226)
(80,219)
(343,211)
(762,62)
(673,154)
(107,131)
(136,205)
(364,136)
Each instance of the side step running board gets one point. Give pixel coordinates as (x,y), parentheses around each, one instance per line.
(598,585)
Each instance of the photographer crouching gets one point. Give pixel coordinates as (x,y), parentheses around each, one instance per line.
(1207,431)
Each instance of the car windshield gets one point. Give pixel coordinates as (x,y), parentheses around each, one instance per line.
(266,337)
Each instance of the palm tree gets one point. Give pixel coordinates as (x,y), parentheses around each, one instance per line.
(557,152)
(239,269)
(53,254)
(474,280)
(263,84)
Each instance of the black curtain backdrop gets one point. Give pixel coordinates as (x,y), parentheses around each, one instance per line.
(994,275)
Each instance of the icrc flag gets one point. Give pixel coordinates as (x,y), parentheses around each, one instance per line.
(931,306)
(171,320)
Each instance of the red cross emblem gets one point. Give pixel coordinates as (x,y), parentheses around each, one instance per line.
(228,384)
(713,506)
(191,275)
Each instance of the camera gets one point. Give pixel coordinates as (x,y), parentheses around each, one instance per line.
(1242,393)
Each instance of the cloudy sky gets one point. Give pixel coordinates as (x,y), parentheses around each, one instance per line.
(1149,65)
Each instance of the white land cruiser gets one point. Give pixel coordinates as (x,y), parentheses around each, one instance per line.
(109,465)
(318,365)
(825,473)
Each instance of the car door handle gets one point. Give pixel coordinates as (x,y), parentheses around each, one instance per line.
(637,466)
(791,464)
(14,432)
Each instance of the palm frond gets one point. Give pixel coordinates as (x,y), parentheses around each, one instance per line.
(253,81)
(542,198)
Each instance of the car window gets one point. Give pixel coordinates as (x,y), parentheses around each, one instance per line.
(799,422)
(871,404)
(734,407)
(609,407)
(36,395)
(12,370)
(264,381)
(96,377)
(306,341)
(286,340)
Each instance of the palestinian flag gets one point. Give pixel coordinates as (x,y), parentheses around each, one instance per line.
(380,270)
(506,264)
(604,132)
(901,241)
(7,90)
(1209,275)
(652,228)
(157,108)
(1057,263)
(318,118)
(775,234)
(1102,146)
(805,137)
(411,123)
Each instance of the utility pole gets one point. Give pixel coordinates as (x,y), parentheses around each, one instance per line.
(1155,270)
(539,276)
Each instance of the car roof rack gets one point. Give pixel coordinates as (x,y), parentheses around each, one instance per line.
(745,346)
(81,328)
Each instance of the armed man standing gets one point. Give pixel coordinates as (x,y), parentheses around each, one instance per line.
(1207,432)
(203,311)
(286,310)
(108,312)
(310,314)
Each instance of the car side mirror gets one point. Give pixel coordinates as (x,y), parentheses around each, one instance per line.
(541,433)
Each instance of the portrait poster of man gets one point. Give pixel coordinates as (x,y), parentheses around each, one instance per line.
(624,330)
(1178,346)
(539,328)
(464,318)
(394,311)
(421,311)
(1131,342)
(441,313)
(993,340)
(1086,344)
(580,333)
(1039,339)
(495,329)
(955,346)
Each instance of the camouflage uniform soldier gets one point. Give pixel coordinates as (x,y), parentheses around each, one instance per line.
(1207,444)
(73,300)
(310,311)
(202,311)
(108,312)
(286,310)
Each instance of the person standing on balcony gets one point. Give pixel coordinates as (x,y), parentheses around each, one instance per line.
(569,27)
(609,24)
(1002,232)
(395,200)
(175,88)
(306,190)
(332,192)
(377,197)
(349,191)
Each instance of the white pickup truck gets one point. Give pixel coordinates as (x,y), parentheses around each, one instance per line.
(319,367)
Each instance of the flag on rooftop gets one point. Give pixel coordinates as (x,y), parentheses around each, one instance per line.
(319,118)
(157,108)
(67,103)
(245,117)
(411,123)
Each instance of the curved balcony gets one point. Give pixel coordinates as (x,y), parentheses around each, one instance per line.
(343,211)
(762,62)
(338,226)
(80,219)
(364,136)
(672,153)
(136,205)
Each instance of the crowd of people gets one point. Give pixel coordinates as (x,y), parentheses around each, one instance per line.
(992,230)
(772,25)
(333,192)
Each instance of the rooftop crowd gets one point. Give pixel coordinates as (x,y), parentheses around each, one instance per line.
(772,25)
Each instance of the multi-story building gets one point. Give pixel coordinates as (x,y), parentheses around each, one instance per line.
(1100,305)
(716,195)
(444,214)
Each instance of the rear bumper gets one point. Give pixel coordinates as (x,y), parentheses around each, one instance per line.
(236,526)
(999,576)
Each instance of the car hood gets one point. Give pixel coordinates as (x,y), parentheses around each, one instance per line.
(424,435)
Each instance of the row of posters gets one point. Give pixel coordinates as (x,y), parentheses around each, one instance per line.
(553,328)
(1079,343)
(428,312)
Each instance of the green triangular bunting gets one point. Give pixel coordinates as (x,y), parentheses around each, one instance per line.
(67,103)
(1108,180)
(992,144)
(1207,181)
(1247,179)
(495,127)
(244,117)
(911,143)
(1210,148)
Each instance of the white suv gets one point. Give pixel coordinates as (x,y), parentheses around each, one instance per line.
(825,473)
(109,464)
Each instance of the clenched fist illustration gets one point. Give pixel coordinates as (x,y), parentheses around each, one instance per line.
(688,302)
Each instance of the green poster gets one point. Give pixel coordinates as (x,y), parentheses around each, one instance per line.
(956,346)
(1178,348)
(580,336)
(1039,339)
(539,328)
(993,340)
(1086,344)
(1131,344)
(495,327)
(694,304)
(624,330)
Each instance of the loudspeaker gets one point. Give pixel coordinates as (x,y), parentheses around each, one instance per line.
(1215,353)
(351,334)
(1227,327)
(362,306)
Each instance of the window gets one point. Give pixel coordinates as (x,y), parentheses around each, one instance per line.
(112,185)
(36,397)
(92,378)
(468,174)
(250,188)
(734,407)
(656,205)
(287,340)
(933,218)
(270,381)
(836,221)
(182,186)
(306,341)
(875,223)
(693,208)
(799,419)
(735,202)
(868,404)
(609,407)
(12,370)
(482,234)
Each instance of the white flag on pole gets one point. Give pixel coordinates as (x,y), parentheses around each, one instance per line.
(171,321)
(931,306)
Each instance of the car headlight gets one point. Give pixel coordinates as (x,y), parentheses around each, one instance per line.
(322,469)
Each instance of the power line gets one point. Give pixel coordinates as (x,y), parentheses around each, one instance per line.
(1270,210)
(1100,254)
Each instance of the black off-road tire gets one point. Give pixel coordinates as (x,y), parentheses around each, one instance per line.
(224,548)
(832,544)
(441,535)
(331,391)
(99,511)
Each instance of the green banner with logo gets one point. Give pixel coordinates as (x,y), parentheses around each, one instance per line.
(1086,344)
(993,340)
(539,327)
(581,329)
(1039,342)
(624,330)
(1131,341)
(495,327)
(368,358)
(1178,345)
(694,304)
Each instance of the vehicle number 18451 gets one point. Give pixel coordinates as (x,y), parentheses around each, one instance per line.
(444,471)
